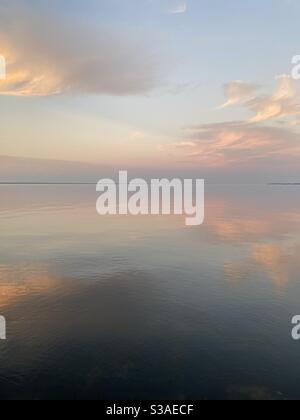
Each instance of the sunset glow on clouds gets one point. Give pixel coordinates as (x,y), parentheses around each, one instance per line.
(148,78)
(248,141)
(48,56)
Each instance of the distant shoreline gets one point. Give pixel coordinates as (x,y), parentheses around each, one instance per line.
(286,183)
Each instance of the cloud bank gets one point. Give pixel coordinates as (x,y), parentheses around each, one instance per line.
(236,143)
(47,55)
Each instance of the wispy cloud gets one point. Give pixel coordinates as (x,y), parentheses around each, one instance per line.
(239,142)
(283,103)
(258,139)
(178,8)
(237,92)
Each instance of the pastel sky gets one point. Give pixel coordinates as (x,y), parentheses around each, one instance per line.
(174,86)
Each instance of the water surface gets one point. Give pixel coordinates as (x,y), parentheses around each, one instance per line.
(143,307)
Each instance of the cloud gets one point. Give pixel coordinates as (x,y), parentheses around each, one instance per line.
(222,144)
(284,103)
(255,142)
(47,55)
(238,92)
(178,8)
(186,144)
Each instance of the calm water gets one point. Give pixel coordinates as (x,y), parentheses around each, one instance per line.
(145,308)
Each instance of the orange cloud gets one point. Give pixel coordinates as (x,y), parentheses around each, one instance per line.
(253,140)
(48,56)
(235,143)
(284,103)
(238,92)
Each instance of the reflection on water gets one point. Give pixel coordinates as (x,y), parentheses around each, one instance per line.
(143,307)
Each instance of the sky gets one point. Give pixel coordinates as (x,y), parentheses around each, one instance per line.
(152,86)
